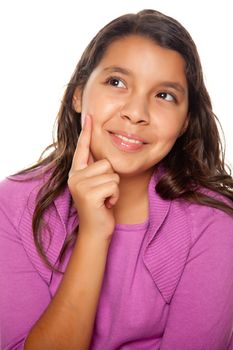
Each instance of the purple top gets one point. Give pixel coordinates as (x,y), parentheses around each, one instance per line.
(168,282)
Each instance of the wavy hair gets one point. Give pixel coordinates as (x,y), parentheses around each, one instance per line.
(197,158)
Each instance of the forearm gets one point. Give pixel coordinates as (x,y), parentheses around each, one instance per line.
(68,321)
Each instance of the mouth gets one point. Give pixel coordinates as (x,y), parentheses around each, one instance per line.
(128,137)
(127,142)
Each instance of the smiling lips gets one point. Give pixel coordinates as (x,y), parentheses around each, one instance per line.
(126,142)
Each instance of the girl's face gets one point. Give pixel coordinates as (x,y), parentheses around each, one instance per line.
(138,99)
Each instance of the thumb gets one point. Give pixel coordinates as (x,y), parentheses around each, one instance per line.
(111,201)
(90,159)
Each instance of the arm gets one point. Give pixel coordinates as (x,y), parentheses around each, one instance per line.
(201,311)
(68,321)
(23,293)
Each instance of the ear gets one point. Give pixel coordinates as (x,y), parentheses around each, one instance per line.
(185,126)
(77,100)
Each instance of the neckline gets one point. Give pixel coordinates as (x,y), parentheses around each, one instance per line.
(130,227)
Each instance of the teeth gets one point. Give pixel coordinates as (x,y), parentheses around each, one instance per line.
(128,140)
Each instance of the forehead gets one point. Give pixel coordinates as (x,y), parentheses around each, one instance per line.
(143,56)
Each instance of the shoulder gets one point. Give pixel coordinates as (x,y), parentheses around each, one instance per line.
(179,232)
(16,191)
(21,184)
(18,197)
(203,219)
(186,219)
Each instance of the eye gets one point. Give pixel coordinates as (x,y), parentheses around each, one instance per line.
(167,96)
(117,82)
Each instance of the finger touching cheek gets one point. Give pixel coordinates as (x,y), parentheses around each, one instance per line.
(82,119)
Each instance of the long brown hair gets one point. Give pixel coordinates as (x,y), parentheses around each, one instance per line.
(197,158)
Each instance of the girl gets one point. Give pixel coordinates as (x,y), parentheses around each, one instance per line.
(122,237)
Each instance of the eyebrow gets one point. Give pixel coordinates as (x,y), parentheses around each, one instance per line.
(117,69)
(169,84)
(174,85)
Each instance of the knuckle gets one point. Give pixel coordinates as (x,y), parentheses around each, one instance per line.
(106,164)
(114,185)
(70,180)
(73,178)
(117,178)
(79,191)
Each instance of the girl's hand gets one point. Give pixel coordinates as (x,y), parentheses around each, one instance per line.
(93,186)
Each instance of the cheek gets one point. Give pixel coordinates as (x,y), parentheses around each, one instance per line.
(97,101)
(168,129)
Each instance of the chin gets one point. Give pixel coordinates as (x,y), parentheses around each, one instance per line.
(126,170)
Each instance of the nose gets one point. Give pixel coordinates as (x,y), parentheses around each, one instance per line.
(135,110)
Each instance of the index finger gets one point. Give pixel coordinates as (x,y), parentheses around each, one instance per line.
(82,152)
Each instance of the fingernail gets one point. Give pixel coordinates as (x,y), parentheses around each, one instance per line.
(85,120)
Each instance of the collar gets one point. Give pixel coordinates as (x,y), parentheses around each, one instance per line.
(168,242)
(166,250)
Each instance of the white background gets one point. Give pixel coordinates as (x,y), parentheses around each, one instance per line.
(41,42)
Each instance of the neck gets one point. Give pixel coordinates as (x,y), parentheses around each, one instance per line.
(132,205)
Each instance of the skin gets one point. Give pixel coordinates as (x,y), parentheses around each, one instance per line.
(105,181)
(139,101)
